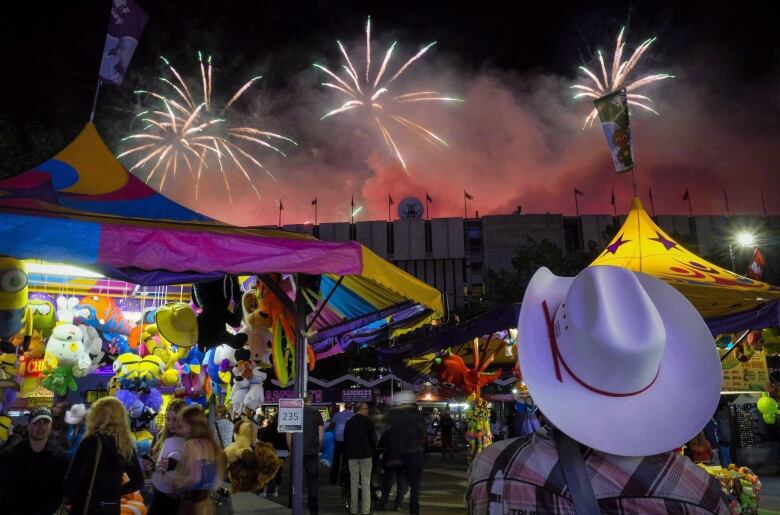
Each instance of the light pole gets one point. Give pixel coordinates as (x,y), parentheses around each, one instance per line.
(743,239)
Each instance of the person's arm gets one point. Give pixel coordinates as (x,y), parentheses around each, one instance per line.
(321,430)
(83,462)
(135,473)
(288,437)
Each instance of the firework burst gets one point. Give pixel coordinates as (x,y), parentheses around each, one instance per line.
(617,78)
(182,132)
(372,94)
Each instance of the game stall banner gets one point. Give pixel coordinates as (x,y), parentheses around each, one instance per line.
(751,374)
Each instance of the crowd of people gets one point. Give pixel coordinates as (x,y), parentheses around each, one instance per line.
(41,470)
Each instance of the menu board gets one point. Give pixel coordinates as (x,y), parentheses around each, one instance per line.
(745,375)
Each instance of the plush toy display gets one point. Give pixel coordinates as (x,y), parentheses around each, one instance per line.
(214,298)
(191,373)
(740,486)
(43,312)
(459,379)
(256,395)
(103,314)
(251,464)
(132,503)
(14,311)
(256,324)
(478,434)
(255,467)
(142,407)
(219,361)
(767,406)
(245,436)
(65,359)
(242,376)
(66,309)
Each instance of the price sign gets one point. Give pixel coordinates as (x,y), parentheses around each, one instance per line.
(290,416)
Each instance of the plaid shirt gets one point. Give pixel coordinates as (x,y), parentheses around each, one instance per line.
(532,482)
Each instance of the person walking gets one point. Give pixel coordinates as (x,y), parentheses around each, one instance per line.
(359,445)
(201,466)
(446,426)
(339,422)
(168,444)
(313,433)
(625,370)
(406,438)
(31,471)
(94,484)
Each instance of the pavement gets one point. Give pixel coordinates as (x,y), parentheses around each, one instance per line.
(443,489)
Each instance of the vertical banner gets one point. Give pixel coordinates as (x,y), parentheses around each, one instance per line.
(125,27)
(613,113)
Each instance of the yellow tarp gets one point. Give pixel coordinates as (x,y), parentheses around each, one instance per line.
(642,246)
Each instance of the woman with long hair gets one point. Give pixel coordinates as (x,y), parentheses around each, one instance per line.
(94,484)
(169,444)
(201,466)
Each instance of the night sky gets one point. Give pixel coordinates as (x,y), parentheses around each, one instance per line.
(517,139)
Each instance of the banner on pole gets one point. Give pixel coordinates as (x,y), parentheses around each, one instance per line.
(613,113)
(125,27)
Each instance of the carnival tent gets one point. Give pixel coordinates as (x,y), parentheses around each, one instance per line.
(83,208)
(726,300)
(413,360)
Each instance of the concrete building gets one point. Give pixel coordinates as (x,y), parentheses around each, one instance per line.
(453,254)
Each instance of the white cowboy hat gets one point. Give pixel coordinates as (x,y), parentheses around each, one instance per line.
(637,372)
(75,414)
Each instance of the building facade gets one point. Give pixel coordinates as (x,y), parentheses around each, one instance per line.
(454,254)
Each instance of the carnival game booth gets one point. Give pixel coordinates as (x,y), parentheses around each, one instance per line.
(81,208)
(741,312)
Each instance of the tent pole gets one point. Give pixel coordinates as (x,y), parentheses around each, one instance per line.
(94,101)
(300,392)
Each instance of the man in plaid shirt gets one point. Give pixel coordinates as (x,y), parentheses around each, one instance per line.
(625,369)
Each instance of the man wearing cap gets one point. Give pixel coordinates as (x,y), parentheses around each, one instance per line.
(31,472)
(625,370)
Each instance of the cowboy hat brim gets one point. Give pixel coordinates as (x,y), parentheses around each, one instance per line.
(671,412)
(164,321)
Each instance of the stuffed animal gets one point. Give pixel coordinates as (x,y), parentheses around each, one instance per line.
(245,436)
(242,376)
(14,310)
(66,309)
(93,345)
(65,359)
(43,312)
(191,373)
(103,314)
(214,298)
(255,467)
(142,407)
(132,503)
(256,325)
(255,396)
(455,376)
(219,361)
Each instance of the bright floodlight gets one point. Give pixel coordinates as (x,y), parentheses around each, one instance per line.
(746,239)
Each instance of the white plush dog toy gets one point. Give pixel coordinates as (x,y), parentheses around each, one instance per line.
(256,395)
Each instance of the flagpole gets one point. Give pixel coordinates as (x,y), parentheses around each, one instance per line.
(726,199)
(280,213)
(427,207)
(614,204)
(94,100)
(576,203)
(316,206)
(388,208)
(763,202)
(690,206)
(465,207)
(652,205)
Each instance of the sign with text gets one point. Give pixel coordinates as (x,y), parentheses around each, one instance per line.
(357,395)
(748,373)
(290,418)
(273,396)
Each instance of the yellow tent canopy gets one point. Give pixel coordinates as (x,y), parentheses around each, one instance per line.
(642,246)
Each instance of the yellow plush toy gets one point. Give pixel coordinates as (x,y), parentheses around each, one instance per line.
(245,437)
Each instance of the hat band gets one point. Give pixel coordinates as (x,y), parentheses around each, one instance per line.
(558,361)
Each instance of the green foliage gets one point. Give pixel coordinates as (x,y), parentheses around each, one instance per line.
(508,286)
